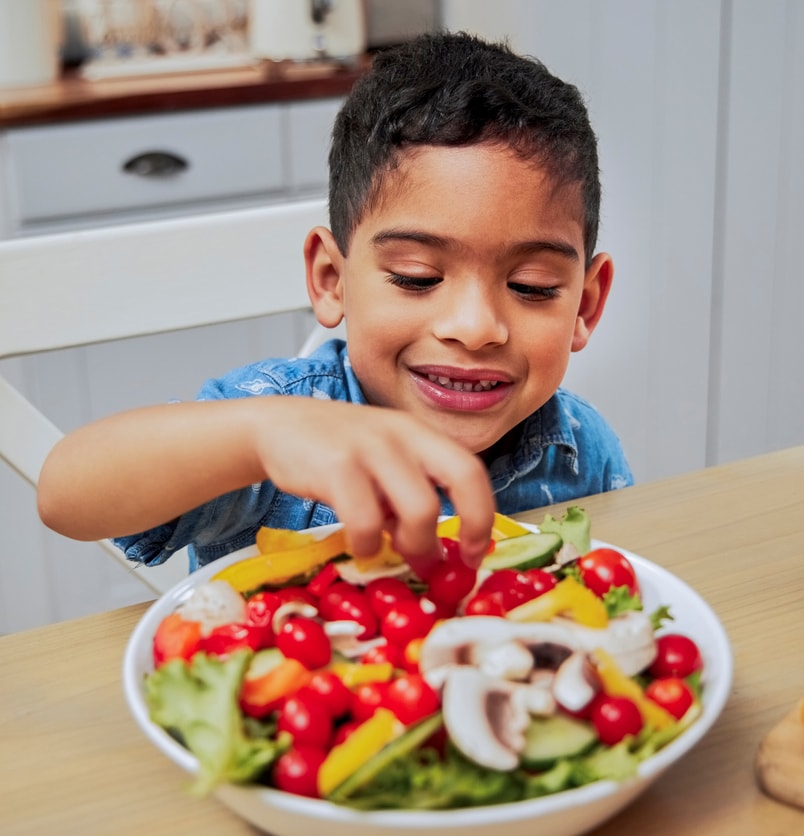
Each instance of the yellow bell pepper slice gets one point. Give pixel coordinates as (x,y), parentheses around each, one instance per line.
(617,684)
(567,597)
(281,566)
(361,745)
(355,673)
(281,539)
(503,528)
(386,556)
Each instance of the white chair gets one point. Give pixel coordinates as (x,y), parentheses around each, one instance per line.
(79,288)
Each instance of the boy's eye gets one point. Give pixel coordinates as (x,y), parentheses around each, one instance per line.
(536,293)
(417,283)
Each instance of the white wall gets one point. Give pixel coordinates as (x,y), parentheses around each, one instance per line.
(698,108)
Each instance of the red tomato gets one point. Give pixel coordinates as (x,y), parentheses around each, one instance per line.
(411,698)
(296,593)
(381,653)
(451,549)
(542,581)
(296,770)
(367,698)
(450,582)
(672,694)
(331,691)
(676,655)
(601,569)
(406,621)
(175,638)
(509,586)
(344,730)
(306,718)
(615,718)
(384,593)
(484,603)
(227,638)
(305,640)
(343,601)
(260,609)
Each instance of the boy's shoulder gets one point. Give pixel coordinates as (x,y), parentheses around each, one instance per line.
(326,373)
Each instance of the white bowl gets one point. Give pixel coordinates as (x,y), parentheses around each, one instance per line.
(563,814)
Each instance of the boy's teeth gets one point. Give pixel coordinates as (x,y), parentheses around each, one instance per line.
(462,385)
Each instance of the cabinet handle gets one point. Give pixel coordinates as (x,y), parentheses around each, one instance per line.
(156,164)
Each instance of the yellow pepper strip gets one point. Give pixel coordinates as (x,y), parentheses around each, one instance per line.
(567,597)
(361,745)
(281,539)
(386,556)
(352,673)
(503,528)
(281,566)
(616,684)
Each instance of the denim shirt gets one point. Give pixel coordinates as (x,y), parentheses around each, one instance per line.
(565,451)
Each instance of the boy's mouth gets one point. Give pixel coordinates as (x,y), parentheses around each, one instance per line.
(462,385)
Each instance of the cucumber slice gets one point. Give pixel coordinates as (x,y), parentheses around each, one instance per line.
(527,551)
(549,739)
(412,739)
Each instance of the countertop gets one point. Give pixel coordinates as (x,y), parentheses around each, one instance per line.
(74,97)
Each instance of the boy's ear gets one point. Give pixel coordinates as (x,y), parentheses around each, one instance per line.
(324,264)
(596,286)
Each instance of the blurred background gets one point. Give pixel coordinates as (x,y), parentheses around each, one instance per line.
(699,112)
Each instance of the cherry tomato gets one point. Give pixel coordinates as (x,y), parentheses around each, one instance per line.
(509,586)
(296,593)
(411,698)
(672,693)
(384,593)
(452,549)
(382,653)
(367,698)
(406,621)
(344,730)
(542,581)
(615,718)
(484,603)
(601,569)
(343,601)
(227,638)
(676,655)
(305,641)
(330,690)
(305,716)
(260,609)
(175,638)
(296,770)
(450,582)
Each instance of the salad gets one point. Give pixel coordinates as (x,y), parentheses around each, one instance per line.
(353,680)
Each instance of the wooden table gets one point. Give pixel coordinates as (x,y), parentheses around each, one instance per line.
(73,761)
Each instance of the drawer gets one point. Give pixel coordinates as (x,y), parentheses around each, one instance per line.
(81,168)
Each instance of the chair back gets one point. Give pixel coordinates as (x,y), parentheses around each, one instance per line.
(73,289)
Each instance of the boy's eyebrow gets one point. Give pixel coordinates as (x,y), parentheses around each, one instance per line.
(429,239)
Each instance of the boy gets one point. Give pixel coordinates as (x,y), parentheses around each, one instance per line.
(464,203)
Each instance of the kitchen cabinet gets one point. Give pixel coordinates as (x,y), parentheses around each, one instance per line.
(71,175)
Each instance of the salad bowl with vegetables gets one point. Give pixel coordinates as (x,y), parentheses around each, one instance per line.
(308,689)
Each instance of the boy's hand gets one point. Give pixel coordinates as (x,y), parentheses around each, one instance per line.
(379,469)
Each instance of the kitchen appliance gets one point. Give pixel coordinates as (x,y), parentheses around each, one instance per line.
(304,30)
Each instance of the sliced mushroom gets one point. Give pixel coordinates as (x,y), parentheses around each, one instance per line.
(289,610)
(483,719)
(575,684)
(213,604)
(536,698)
(508,660)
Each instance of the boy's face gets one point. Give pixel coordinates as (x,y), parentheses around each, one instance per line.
(464,290)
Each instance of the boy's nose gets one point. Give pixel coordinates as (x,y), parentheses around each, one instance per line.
(472,318)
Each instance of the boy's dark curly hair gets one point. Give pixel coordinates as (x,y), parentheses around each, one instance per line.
(456,89)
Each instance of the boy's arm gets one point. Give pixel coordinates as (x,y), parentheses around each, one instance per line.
(377,468)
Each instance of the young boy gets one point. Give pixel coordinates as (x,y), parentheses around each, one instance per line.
(464,204)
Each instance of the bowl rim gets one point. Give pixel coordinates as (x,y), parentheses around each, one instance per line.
(717,680)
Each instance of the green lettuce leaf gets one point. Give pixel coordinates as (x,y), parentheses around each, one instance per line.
(197,702)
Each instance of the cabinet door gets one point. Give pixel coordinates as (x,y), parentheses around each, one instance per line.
(90,168)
